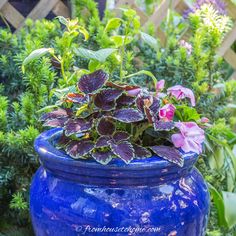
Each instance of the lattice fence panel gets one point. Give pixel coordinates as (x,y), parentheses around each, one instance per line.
(43,7)
(181,6)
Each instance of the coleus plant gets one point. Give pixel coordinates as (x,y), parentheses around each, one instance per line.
(105,120)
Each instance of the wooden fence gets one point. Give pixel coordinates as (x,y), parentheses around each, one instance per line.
(58,7)
(181,6)
(16,19)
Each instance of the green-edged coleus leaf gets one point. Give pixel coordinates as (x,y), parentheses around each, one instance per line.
(105,126)
(77,125)
(77,98)
(123,150)
(59,113)
(63,141)
(90,83)
(125,100)
(120,136)
(78,149)
(128,115)
(170,154)
(56,123)
(103,141)
(103,157)
(141,152)
(105,99)
(163,126)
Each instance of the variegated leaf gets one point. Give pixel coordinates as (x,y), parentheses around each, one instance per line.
(90,83)
(78,149)
(123,150)
(170,154)
(103,157)
(128,115)
(105,126)
(78,125)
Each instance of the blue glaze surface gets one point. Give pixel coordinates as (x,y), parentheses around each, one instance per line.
(150,196)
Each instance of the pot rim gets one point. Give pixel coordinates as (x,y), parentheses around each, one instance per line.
(49,153)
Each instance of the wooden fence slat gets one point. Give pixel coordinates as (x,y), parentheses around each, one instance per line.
(231,9)
(42,9)
(12,15)
(181,7)
(161,12)
(60,9)
(230,57)
(2,3)
(228,41)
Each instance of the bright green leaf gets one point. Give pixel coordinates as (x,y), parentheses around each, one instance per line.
(112,24)
(100,55)
(62,20)
(120,40)
(219,204)
(230,208)
(148,39)
(187,113)
(83,31)
(37,54)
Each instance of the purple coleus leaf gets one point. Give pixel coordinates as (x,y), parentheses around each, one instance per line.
(105,126)
(141,152)
(78,149)
(78,125)
(56,123)
(77,98)
(63,141)
(163,126)
(170,154)
(59,113)
(103,141)
(105,99)
(120,136)
(90,83)
(128,115)
(123,150)
(125,100)
(124,87)
(103,157)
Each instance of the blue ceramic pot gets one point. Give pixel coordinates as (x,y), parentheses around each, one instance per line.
(147,197)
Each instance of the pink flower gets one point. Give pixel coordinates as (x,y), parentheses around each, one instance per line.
(167,112)
(190,138)
(186,45)
(181,92)
(160,85)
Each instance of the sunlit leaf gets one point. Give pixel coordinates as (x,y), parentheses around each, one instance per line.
(112,24)
(150,40)
(100,55)
(37,54)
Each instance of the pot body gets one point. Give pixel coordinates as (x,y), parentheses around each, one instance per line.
(69,200)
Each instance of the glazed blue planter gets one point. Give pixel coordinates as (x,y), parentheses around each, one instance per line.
(147,197)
